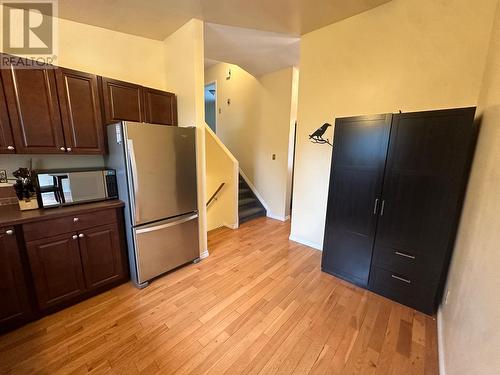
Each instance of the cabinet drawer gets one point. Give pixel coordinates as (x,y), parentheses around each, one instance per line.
(403,289)
(66,224)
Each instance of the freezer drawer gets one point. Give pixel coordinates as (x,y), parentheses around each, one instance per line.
(165,245)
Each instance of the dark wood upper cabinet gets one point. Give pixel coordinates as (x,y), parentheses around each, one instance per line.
(81,112)
(160,106)
(122,101)
(33,107)
(101,255)
(56,268)
(356,177)
(15,306)
(6,139)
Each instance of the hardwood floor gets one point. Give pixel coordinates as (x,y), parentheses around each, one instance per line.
(258,304)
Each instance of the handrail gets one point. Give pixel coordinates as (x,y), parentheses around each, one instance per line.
(216,192)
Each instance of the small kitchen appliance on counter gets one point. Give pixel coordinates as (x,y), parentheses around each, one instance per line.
(72,186)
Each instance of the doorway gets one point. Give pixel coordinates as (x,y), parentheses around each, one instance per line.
(211,105)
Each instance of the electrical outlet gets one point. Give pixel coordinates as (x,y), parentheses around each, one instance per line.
(447,296)
(274,156)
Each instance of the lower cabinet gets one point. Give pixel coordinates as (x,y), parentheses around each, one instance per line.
(60,261)
(56,267)
(69,265)
(15,306)
(101,256)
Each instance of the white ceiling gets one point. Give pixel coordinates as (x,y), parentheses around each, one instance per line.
(156,19)
(258,52)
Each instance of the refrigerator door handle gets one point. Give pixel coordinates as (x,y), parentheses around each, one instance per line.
(135,180)
(166,225)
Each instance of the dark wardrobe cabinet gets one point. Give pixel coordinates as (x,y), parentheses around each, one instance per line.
(397,184)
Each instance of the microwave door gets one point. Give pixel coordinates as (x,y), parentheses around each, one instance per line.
(84,186)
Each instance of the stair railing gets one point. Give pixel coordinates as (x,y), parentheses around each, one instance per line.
(216,192)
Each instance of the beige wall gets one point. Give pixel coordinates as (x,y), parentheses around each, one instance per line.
(406,54)
(470,320)
(111,54)
(221,167)
(255,126)
(184,75)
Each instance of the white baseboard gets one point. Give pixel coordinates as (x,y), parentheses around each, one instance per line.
(440,340)
(204,254)
(314,245)
(254,190)
(277,217)
(231,226)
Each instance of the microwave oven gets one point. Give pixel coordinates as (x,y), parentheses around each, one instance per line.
(66,187)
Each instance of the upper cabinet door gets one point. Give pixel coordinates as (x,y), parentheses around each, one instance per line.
(34,110)
(161,107)
(6,140)
(427,164)
(357,171)
(81,112)
(122,101)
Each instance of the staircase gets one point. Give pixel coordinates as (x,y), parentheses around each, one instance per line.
(249,207)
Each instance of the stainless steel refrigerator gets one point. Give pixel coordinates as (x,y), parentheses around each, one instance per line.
(156,175)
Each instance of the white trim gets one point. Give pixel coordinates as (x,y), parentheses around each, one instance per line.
(440,340)
(254,190)
(314,245)
(204,254)
(277,217)
(230,226)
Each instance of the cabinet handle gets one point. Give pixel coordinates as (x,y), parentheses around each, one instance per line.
(74,237)
(81,235)
(404,255)
(68,149)
(9,232)
(10,148)
(401,279)
(382,208)
(375,207)
(76,220)
(62,148)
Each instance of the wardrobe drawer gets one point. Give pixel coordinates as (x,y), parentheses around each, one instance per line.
(403,289)
(66,224)
(417,266)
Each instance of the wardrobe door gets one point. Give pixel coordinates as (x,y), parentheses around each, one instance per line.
(357,169)
(426,174)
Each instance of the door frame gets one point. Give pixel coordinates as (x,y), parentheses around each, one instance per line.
(214,82)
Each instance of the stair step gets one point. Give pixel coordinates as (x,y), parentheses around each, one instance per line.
(251,213)
(247,201)
(244,193)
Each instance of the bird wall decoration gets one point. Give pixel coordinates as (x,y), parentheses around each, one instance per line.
(317,136)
